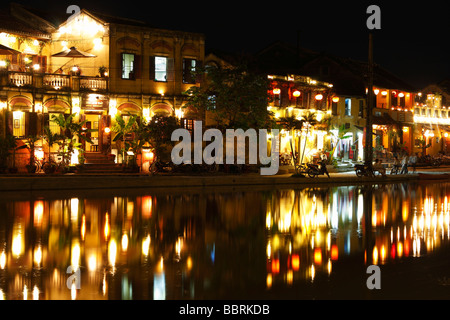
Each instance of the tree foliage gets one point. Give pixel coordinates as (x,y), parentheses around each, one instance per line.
(235,97)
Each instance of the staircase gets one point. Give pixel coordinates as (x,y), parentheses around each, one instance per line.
(96,162)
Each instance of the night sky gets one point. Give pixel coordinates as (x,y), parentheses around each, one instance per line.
(413,42)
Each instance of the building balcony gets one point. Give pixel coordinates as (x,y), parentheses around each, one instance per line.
(53,82)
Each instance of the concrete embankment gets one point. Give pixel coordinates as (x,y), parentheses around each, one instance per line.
(97,181)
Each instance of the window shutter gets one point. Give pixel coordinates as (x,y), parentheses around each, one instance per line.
(170,69)
(121,66)
(9,123)
(44,64)
(187,74)
(152,68)
(198,73)
(137,67)
(31,123)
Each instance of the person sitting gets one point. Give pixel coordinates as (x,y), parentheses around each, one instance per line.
(378,166)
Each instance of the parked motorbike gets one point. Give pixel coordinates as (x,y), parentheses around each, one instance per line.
(364,170)
(315,170)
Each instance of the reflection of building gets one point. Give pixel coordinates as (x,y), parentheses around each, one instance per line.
(126,67)
(208,245)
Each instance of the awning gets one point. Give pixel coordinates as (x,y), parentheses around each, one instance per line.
(385,119)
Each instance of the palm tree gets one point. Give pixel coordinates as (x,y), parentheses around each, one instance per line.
(73,133)
(122,128)
(291,123)
(309,120)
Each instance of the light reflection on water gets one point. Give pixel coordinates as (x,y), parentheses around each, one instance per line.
(215,245)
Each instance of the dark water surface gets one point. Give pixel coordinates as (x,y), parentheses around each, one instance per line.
(229,243)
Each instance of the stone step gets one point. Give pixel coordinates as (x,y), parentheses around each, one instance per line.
(102,168)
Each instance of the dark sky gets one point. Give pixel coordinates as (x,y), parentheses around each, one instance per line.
(411,43)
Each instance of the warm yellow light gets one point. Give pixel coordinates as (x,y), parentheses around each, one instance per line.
(3,63)
(335,99)
(106,230)
(146,245)
(112,252)
(376,91)
(296,94)
(36,67)
(318,256)
(92,262)
(107,130)
(38,255)
(76,254)
(124,242)
(401,94)
(276,91)
(384,93)
(2,260)
(319,97)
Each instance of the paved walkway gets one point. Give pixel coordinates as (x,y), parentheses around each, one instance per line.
(107,181)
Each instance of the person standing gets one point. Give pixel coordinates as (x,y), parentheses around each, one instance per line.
(323,163)
(413,161)
(405,164)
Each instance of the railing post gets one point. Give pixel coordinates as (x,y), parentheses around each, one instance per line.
(75,85)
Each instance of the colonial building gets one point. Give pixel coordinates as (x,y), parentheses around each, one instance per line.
(432,119)
(95,66)
(393,122)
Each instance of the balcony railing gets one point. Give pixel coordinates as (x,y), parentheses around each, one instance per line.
(95,84)
(56,81)
(20,79)
(53,81)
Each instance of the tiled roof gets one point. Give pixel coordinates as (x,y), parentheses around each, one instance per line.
(10,24)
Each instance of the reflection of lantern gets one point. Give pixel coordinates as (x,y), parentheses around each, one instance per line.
(295,262)
(334,252)
(318,256)
(276,91)
(296,93)
(319,97)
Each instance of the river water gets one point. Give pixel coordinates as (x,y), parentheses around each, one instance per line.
(227,243)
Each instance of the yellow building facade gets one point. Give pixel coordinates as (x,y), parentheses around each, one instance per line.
(113,66)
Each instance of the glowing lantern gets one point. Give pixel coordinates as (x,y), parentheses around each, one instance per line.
(276,91)
(296,94)
(319,97)
(335,99)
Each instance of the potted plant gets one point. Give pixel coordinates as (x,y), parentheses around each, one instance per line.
(51,138)
(102,71)
(111,157)
(6,143)
(15,148)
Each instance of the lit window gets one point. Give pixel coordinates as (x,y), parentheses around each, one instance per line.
(348,107)
(127,66)
(160,68)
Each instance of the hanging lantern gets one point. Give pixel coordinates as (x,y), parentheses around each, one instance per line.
(296,94)
(335,99)
(276,91)
(319,97)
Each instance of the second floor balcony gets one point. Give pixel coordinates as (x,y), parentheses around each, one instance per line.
(53,82)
